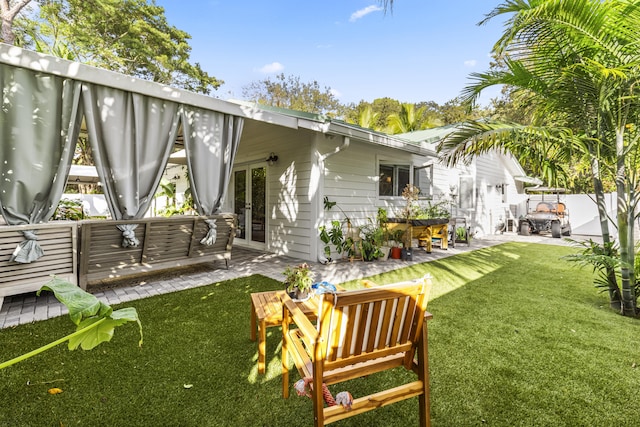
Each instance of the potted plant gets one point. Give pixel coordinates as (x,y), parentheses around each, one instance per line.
(373,237)
(332,236)
(298,281)
(343,242)
(396,246)
(382,220)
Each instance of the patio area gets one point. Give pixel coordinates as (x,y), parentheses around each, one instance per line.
(27,308)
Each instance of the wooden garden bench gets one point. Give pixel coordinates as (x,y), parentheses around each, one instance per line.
(359,333)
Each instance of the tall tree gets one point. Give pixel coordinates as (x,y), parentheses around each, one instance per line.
(132,37)
(578,62)
(290,92)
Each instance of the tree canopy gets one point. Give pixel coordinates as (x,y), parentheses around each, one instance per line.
(132,37)
(292,93)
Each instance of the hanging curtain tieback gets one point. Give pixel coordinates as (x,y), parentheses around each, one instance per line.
(29,250)
(212,234)
(129,239)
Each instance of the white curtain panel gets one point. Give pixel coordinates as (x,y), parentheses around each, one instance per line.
(131,137)
(211,142)
(39,125)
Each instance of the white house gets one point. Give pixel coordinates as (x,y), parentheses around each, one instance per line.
(283,164)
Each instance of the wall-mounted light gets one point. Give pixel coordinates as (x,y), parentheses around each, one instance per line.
(272,159)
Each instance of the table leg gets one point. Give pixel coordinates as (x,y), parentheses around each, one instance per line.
(262,328)
(253,322)
(445,237)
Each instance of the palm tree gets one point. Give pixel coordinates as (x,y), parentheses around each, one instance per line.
(407,120)
(368,118)
(579,63)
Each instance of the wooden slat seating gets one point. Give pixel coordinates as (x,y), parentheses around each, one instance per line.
(58,241)
(165,243)
(360,333)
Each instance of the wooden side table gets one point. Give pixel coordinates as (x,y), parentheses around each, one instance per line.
(266,311)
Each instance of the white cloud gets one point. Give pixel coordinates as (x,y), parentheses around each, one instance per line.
(470,63)
(363,12)
(274,67)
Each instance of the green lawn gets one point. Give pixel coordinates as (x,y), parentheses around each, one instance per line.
(519,338)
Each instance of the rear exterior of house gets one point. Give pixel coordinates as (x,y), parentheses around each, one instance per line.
(280,204)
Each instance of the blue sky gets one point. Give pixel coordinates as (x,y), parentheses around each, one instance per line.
(423,51)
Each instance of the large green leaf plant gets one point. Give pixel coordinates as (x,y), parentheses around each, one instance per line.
(95,321)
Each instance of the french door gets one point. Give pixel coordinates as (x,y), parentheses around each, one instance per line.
(249,203)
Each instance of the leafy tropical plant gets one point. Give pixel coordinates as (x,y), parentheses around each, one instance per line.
(333,235)
(397,235)
(373,238)
(461,233)
(603,257)
(438,209)
(342,242)
(95,321)
(407,120)
(299,277)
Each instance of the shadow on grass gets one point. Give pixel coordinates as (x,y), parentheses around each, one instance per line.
(519,337)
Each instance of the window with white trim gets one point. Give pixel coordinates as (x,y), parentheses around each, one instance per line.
(393,178)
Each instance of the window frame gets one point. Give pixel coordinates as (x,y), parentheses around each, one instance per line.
(397,167)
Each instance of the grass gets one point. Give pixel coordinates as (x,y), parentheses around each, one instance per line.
(518,338)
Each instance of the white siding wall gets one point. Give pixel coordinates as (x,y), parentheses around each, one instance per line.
(488,204)
(497,204)
(350,178)
(312,165)
(289,199)
(288,206)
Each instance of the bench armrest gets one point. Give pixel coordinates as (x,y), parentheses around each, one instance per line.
(291,311)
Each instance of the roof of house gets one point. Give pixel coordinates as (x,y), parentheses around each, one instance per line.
(431,137)
(326,124)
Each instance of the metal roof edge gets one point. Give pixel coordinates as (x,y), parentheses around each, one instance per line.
(378,138)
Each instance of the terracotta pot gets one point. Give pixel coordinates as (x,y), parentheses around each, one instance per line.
(396,253)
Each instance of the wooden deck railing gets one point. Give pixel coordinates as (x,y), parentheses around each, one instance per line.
(57,240)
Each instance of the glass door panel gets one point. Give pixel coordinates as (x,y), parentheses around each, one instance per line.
(249,203)
(258,199)
(240,201)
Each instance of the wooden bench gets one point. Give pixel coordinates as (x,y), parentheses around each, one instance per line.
(58,241)
(164,243)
